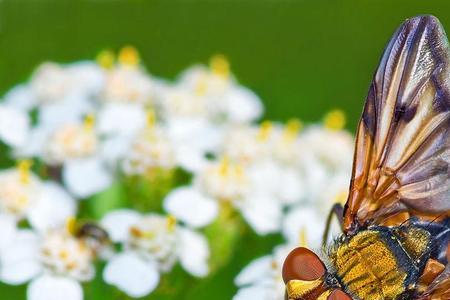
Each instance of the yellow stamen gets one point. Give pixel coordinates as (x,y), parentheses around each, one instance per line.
(274,265)
(23,200)
(264,130)
(63,254)
(171,223)
(89,122)
(129,56)
(201,87)
(335,120)
(239,170)
(24,167)
(136,232)
(105,59)
(292,129)
(151,118)
(224,166)
(71,225)
(219,65)
(303,237)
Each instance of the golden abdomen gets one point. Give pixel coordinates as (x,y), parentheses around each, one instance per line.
(367,267)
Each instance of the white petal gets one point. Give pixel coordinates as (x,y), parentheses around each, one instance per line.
(20,97)
(85,177)
(254,271)
(117,223)
(52,209)
(254,292)
(48,287)
(131,274)
(35,143)
(292,187)
(88,77)
(113,149)
(14,126)
(263,214)
(304,222)
(190,159)
(198,134)
(243,105)
(20,260)
(69,110)
(121,119)
(191,207)
(193,252)
(8,231)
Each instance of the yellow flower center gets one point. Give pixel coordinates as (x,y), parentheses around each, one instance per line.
(89,122)
(220,66)
(292,129)
(151,118)
(129,56)
(71,225)
(105,59)
(265,130)
(171,223)
(201,86)
(24,167)
(335,120)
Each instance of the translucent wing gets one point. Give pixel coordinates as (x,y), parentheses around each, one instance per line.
(402,151)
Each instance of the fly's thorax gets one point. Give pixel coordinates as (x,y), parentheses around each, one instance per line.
(381,262)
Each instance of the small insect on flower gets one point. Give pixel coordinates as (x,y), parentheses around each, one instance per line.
(396,221)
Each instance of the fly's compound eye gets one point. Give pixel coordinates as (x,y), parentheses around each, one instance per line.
(302,264)
(338,294)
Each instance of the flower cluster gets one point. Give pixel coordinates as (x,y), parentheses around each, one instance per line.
(106,162)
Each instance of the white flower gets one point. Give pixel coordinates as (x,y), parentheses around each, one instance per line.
(128,84)
(178,102)
(70,141)
(261,279)
(14,126)
(121,119)
(304,226)
(247,144)
(151,244)
(182,202)
(24,196)
(65,93)
(50,82)
(151,149)
(77,149)
(226,181)
(55,262)
(192,140)
(21,97)
(332,148)
(221,95)
(56,83)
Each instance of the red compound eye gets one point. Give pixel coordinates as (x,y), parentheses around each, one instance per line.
(303,264)
(338,294)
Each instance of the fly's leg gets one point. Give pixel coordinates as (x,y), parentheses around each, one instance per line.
(338,211)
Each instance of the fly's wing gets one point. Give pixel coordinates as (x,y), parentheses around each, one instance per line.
(402,151)
(439,289)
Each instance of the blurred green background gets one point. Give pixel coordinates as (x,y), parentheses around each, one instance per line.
(302,57)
